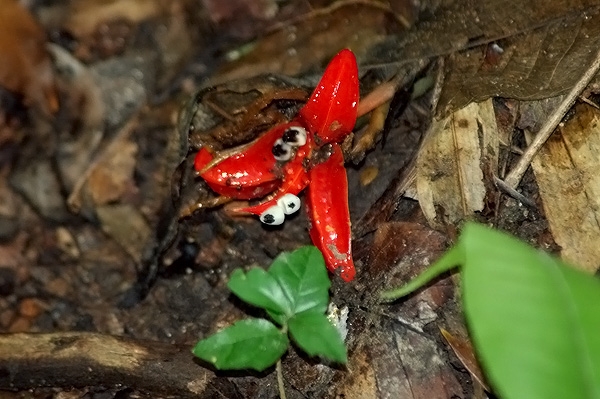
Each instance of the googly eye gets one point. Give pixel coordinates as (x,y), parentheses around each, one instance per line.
(295,136)
(273,216)
(281,151)
(289,203)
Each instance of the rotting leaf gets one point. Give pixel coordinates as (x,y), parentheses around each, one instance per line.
(313,39)
(26,68)
(566,171)
(402,250)
(398,240)
(541,52)
(460,24)
(543,63)
(450,165)
(463,349)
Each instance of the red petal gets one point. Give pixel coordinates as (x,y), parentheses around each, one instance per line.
(330,112)
(327,203)
(247,174)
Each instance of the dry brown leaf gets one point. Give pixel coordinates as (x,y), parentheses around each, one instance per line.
(127,226)
(541,52)
(313,39)
(566,170)
(361,381)
(460,24)
(84,16)
(544,63)
(402,364)
(25,66)
(419,355)
(463,349)
(450,165)
(114,175)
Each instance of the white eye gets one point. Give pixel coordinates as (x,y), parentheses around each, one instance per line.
(289,203)
(273,216)
(281,151)
(295,136)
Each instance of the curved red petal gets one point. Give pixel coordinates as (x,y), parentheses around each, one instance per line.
(330,112)
(327,204)
(249,174)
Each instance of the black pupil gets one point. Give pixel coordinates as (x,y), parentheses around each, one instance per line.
(290,136)
(269,219)
(291,205)
(278,150)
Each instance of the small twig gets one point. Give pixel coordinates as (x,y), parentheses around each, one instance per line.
(516,174)
(379,96)
(513,193)
(280,380)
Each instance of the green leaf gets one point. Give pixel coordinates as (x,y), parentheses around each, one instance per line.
(316,336)
(248,344)
(303,277)
(454,257)
(259,288)
(534,320)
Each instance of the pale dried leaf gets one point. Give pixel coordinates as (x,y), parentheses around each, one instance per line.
(361,381)
(566,170)
(114,175)
(450,165)
(127,226)
(84,17)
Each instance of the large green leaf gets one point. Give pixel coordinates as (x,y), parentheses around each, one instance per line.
(534,320)
(248,344)
(303,277)
(261,289)
(316,336)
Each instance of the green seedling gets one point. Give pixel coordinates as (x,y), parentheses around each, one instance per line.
(294,293)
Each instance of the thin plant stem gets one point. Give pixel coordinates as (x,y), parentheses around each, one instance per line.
(280,380)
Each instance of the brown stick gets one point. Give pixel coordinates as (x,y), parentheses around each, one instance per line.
(76,360)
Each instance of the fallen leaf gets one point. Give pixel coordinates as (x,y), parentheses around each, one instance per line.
(26,68)
(361,381)
(502,48)
(113,177)
(463,349)
(543,63)
(566,171)
(451,163)
(84,17)
(127,226)
(313,39)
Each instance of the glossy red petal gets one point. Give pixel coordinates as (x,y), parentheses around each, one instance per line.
(327,204)
(295,180)
(330,112)
(234,191)
(249,174)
